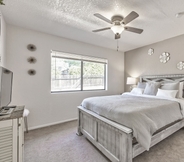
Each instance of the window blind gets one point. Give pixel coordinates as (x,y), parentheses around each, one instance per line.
(66,55)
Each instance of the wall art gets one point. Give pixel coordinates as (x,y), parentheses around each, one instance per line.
(164,57)
(31,72)
(31,60)
(180,65)
(31,47)
(151,51)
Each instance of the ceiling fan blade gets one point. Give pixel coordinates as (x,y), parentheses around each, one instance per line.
(102,18)
(117,36)
(101,29)
(130,17)
(135,30)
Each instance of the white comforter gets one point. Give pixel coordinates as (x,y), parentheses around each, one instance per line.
(143,114)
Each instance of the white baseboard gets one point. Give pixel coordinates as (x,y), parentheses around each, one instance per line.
(50,124)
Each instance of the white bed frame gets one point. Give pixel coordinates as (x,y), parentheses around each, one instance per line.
(115,141)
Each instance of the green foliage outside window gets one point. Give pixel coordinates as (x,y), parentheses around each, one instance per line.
(66,75)
(72,67)
(91,68)
(1,2)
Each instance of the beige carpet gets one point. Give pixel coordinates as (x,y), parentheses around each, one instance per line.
(59,143)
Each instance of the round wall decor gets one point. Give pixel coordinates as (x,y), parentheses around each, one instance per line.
(31,72)
(31,60)
(164,57)
(31,47)
(180,65)
(150,51)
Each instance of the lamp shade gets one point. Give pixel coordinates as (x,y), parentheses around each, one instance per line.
(131,80)
(117,29)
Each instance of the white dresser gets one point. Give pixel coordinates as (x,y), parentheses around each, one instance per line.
(12,136)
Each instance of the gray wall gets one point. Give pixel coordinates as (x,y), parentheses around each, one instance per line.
(138,62)
(2,41)
(48,108)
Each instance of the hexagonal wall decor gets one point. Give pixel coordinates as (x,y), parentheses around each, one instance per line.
(180,65)
(164,57)
(151,51)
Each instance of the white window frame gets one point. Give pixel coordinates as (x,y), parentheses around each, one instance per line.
(65,55)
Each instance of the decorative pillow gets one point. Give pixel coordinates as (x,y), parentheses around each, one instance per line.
(152,88)
(141,85)
(167,93)
(137,91)
(171,86)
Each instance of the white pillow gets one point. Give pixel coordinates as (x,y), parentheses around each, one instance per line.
(166,93)
(174,86)
(137,91)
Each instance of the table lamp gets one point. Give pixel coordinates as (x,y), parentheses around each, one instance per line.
(131,81)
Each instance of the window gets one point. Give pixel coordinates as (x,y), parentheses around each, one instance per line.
(71,72)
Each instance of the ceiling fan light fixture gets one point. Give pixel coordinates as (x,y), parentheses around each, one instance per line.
(118,24)
(117,29)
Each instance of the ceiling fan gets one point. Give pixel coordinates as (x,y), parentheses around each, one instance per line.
(118,24)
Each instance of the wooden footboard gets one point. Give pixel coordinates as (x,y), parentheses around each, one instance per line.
(112,139)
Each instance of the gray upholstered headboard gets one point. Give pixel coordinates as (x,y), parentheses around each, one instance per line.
(163,78)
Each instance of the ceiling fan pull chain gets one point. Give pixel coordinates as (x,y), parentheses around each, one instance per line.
(117,45)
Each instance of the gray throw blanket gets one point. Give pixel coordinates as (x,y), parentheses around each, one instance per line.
(143,115)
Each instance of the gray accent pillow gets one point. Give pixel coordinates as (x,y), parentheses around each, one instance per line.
(141,85)
(152,88)
(170,86)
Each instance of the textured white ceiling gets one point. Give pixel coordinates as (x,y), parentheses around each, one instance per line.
(74,19)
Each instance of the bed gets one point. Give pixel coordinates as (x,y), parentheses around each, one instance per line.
(117,140)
